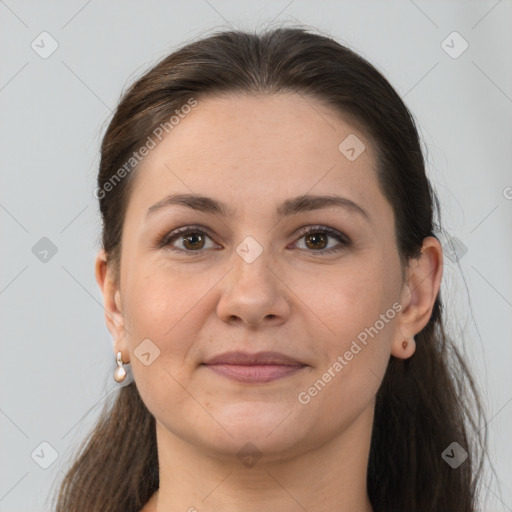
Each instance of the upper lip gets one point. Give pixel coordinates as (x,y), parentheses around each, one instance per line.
(258,358)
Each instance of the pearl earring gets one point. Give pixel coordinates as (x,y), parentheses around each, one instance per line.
(119,372)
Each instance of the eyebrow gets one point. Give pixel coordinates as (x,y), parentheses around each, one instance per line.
(289,207)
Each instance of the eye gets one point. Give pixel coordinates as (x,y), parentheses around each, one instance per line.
(317,238)
(193,239)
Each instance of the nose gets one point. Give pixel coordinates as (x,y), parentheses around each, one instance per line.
(254,294)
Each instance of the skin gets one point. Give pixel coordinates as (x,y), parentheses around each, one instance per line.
(253,152)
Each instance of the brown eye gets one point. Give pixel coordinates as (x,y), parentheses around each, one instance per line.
(317,239)
(192,240)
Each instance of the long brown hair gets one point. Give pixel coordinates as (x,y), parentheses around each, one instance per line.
(425,403)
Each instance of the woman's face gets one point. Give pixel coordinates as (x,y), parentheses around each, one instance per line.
(253,280)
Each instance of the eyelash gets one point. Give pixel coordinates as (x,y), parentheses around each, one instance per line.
(167,238)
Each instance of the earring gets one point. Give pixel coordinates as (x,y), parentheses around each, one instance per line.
(119,372)
(405,343)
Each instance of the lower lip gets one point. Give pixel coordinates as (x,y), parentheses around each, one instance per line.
(254,373)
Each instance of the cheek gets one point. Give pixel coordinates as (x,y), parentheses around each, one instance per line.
(158,299)
(352,370)
(347,300)
(161,309)
(156,310)
(358,319)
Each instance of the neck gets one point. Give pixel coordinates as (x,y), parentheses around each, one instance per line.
(331,477)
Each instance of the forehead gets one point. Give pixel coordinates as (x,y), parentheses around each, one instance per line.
(253,150)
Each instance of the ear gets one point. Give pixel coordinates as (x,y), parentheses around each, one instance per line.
(112,302)
(419,293)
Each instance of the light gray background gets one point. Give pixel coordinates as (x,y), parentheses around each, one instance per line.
(57,357)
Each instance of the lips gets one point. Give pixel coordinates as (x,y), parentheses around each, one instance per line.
(259,358)
(254,368)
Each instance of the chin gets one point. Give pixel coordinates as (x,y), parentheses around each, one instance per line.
(255,444)
(265,425)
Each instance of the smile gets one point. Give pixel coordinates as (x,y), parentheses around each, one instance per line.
(256,373)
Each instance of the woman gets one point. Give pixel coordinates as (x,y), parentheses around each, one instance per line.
(271,271)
